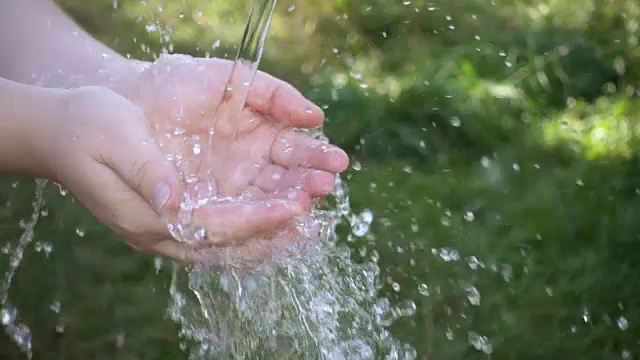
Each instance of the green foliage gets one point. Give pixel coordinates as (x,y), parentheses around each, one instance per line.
(499,150)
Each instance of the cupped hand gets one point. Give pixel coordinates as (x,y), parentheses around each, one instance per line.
(255,148)
(113,152)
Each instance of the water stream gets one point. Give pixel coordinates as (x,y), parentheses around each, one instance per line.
(199,190)
(18,331)
(308,301)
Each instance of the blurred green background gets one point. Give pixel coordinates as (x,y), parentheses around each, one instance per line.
(495,141)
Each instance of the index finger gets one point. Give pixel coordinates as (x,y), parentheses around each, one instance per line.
(283,103)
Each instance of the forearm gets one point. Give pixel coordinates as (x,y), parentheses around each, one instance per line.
(24,114)
(42,45)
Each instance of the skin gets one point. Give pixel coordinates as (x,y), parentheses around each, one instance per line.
(102,125)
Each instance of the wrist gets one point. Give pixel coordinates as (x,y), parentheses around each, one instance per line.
(26,116)
(108,70)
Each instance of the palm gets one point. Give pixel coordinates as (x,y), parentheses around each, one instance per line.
(250,153)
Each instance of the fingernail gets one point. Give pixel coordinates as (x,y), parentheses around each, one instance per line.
(160,195)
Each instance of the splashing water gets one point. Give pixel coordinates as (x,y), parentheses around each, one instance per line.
(311,300)
(17,331)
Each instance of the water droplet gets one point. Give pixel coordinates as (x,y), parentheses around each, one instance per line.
(56,306)
(157,264)
(62,190)
(449,334)
(455,121)
(623,324)
(406,308)
(120,337)
(480,343)
(446,254)
(291,8)
(43,246)
(357,166)
(473,295)
(549,291)
(423,289)
(395,286)
(361,223)
(191,178)
(585,315)
(196,149)
(151,27)
(80,232)
(469,216)
(474,263)
(6,317)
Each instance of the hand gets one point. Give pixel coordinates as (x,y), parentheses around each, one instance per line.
(128,193)
(256,154)
(256,151)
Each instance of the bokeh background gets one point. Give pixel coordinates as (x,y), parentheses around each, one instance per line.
(495,142)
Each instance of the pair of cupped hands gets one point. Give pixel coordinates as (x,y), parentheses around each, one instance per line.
(110,150)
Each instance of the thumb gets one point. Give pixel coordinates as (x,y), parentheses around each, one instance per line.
(140,162)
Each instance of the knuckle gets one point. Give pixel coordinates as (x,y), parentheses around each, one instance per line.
(138,173)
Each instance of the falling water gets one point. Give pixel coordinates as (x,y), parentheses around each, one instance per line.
(17,331)
(310,300)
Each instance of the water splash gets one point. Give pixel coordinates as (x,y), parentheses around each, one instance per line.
(16,330)
(310,300)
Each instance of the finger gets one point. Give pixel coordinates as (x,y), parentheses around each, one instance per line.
(314,182)
(291,149)
(140,163)
(283,103)
(235,223)
(182,253)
